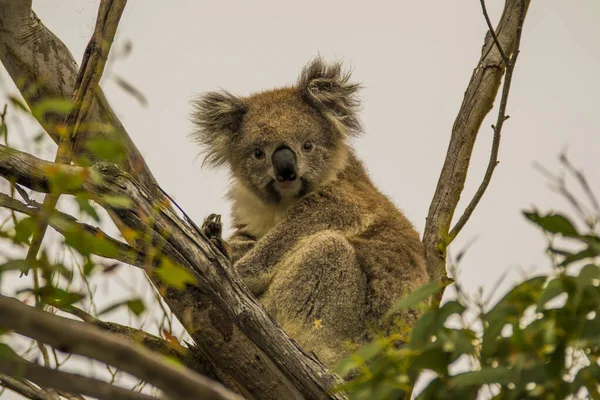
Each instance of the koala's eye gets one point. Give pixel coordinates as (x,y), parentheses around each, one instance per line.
(259,154)
(308,146)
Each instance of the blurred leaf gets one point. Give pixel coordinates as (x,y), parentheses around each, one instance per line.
(57,297)
(487,375)
(86,207)
(553,223)
(417,296)
(118,201)
(18,103)
(174,275)
(554,289)
(86,243)
(135,305)
(57,106)
(363,355)
(132,90)
(106,150)
(19,265)
(24,230)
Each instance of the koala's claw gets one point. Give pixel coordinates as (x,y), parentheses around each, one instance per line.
(212,226)
(212,229)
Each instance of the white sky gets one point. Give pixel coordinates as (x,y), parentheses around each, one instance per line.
(414,59)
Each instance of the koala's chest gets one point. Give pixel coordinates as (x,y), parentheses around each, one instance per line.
(256,217)
(257,221)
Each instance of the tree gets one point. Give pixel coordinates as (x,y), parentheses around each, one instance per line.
(239,344)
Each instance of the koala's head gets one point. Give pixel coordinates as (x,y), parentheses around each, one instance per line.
(282,143)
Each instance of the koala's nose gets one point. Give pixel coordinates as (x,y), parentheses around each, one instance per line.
(284,163)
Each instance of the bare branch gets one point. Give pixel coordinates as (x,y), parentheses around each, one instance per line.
(79,338)
(16,366)
(497,130)
(24,388)
(478,101)
(151,342)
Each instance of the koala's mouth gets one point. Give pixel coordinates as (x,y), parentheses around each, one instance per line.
(283,191)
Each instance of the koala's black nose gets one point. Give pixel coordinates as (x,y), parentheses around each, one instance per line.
(284,163)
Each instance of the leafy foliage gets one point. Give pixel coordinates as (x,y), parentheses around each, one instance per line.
(541,340)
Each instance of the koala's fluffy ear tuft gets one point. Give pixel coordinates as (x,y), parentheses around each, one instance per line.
(327,88)
(218,116)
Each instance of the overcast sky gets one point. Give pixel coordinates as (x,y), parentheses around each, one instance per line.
(414,60)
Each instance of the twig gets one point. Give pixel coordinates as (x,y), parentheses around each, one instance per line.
(79,338)
(497,130)
(582,181)
(64,224)
(491,28)
(24,388)
(14,365)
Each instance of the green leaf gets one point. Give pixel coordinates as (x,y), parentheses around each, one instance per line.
(554,289)
(174,275)
(553,223)
(417,296)
(24,230)
(486,375)
(106,150)
(86,207)
(56,106)
(118,201)
(86,243)
(135,305)
(57,297)
(20,265)
(363,355)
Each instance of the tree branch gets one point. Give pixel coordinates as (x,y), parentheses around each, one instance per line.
(65,224)
(478,101)
(17,366)
(151,342)
(497,130)
(79,338)
(215,275)
(24,388)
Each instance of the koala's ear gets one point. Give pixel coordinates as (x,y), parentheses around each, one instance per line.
(327,88)
(218,116)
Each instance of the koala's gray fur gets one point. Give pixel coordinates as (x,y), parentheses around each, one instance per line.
(324,251)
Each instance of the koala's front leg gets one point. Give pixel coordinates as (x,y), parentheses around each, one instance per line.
(213,229)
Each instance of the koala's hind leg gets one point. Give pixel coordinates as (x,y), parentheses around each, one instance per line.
(318,295)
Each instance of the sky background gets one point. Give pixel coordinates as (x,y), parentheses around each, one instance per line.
(414,60)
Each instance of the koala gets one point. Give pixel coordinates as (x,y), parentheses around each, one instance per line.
(325,252)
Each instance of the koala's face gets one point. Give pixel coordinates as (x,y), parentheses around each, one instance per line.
(282,143)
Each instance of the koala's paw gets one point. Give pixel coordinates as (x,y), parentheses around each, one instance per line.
(212,228)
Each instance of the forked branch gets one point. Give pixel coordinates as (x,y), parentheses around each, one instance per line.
(478,101)
(493,162)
